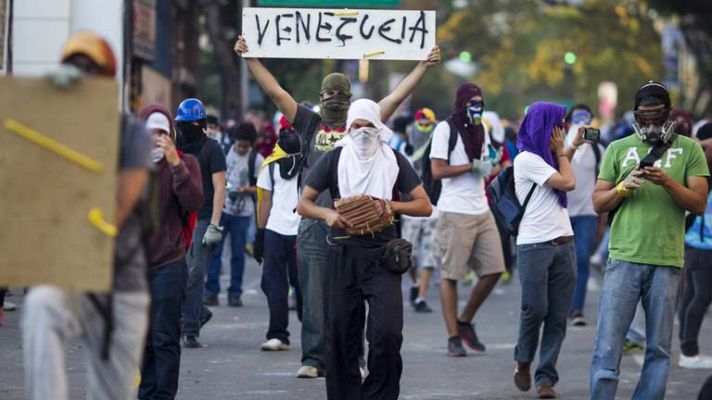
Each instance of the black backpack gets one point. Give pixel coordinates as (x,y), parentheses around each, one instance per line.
(433,186)
(505,205)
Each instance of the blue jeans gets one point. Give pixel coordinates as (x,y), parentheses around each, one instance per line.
(279,270)
(624,284)
(547,277)
(236,229)
(161,357)
(585,235)
(313,253)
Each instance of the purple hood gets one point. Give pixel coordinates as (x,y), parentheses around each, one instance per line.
(535,132)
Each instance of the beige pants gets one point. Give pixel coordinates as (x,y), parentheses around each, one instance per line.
(469,242)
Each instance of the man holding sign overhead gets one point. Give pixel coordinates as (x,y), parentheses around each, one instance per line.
(318,133)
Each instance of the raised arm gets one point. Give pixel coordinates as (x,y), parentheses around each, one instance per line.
(390,103)
(281,98)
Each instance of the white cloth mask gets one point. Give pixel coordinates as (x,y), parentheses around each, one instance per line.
(157,154)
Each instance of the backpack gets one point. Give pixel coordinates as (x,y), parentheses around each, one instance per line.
(433,186)
(505,205)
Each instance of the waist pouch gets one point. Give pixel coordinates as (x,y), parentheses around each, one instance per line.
(397,256)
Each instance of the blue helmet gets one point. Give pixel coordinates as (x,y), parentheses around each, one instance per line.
(190,110)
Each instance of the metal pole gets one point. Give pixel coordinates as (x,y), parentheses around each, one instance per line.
(244,81)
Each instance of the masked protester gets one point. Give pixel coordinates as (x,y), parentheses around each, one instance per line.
(545,251)
(467,236)
(191,125)
(362,163)
(180,192)
(277,226)
(215,131)
(421,231)
(318,133)
(111,328)
(649,199)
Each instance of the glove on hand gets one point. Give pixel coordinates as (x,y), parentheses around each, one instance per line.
(630,183)
(482,167)
(212,236)
(259,249)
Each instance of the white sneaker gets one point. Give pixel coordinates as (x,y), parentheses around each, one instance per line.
(695,362)
(9,306)
(274,345)
(307,371)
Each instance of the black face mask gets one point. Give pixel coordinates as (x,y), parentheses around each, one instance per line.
(191,137)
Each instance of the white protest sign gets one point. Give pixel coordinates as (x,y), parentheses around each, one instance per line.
(339,34)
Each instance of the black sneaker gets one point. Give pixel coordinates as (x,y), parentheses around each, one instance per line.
(190,342)
(454,347)
(205,317)
(234,301)
(210,299)
(469,336)
(422,307)
(414,292)
(577,318)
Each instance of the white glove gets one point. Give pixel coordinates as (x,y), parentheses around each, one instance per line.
(630,183)
(212,236)
(634,179)
(482,167)
(65,75)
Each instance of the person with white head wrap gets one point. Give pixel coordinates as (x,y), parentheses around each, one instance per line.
(362,163)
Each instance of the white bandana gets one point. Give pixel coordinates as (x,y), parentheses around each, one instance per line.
(367,165)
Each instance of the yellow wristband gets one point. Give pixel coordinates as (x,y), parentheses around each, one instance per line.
(623,191)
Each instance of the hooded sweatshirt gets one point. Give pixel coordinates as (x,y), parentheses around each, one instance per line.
(180,191)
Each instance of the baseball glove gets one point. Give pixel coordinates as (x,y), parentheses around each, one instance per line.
(364,214)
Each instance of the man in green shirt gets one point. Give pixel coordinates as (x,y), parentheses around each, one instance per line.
(647,240)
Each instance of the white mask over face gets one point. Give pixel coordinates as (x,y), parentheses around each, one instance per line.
(366,141)
(157,154)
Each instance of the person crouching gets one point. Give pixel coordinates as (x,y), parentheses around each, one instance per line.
(363,164)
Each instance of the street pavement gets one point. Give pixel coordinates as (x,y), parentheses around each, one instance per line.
(231,365)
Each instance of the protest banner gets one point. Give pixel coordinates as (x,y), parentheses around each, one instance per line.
(58,167)
(338,34)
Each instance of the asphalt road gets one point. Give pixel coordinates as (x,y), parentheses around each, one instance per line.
(231,365)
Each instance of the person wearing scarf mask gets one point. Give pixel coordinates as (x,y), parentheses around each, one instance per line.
(319,132)
(191,126)
(180,192)
(466,228)
(545,251)
(362,163)
(421,231)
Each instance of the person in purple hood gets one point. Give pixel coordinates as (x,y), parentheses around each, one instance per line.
(545,248)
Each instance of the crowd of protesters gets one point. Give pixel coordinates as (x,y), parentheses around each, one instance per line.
(637,189)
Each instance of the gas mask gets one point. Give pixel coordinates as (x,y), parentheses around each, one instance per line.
(653,127)
(366,141)
(157,154)
(474,112)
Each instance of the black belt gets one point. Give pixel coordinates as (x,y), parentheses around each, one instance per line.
(561,240)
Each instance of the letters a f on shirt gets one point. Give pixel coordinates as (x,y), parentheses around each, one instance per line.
(340,34)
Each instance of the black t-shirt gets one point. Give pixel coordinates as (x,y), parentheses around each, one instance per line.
(321,178)
(211,160)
